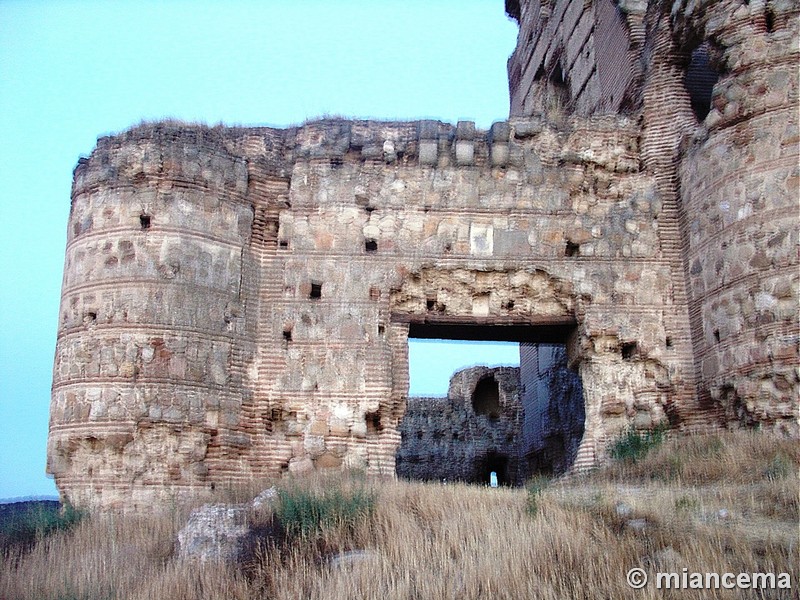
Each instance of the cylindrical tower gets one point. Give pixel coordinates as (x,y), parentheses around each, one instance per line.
(145,396)
(739,187)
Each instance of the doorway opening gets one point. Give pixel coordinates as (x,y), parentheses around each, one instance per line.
(466,413)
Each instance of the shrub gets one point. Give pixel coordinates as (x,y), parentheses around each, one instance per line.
(634,445)
(535,487)
(306,513)
(23,524)
(780,467)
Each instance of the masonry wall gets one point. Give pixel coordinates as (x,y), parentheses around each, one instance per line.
(553,409)
(447,439)
(740,185)
(526,224)
(237,301)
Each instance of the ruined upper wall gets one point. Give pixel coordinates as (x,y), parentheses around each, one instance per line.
(576,57)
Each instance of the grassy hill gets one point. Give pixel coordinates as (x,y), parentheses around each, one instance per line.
(718,503)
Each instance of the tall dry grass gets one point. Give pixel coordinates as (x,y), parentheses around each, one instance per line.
(717,503)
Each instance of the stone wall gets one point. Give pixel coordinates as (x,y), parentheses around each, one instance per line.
(739,180)
(554,414)
(237,301)
(457,438)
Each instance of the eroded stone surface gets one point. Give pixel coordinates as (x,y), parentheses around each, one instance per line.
(214,532)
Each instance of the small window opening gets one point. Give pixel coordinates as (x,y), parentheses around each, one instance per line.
(668,342)
(91,316)
(486,398)
(283,243)
(316,291)
(381,330)
(699,80)
(287,335)
(509,305)
(430,304)
(628,350)
(371,245)
(373,420)
(145,221)
(716,335)
(572,249)
(769,18)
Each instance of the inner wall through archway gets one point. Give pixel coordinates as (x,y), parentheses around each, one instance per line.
(502,420)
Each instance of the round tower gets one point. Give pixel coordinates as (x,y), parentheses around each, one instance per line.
(145,385)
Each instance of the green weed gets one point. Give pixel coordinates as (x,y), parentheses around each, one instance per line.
(634,445)
(305,513)
(535,487)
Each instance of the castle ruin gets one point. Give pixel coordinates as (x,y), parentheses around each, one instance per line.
(237,302)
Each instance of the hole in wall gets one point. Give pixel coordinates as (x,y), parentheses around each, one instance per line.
(145,221)
(283,243)
(436,437)
(373,420)
(442,441)
(628,350)
(371,245)
(668,342)
(316,290)
(716,336)
(769,18)
(287,335)
(493,462)
(572,249)
(486,398)
(381,330)
(699,81)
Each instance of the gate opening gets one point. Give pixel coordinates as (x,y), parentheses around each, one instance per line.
(489,404)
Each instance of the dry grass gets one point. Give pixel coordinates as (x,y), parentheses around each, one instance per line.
(457,541)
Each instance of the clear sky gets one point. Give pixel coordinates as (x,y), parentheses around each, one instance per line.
(73,70)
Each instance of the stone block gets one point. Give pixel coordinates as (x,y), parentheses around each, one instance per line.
(465,130)
(499,132)
(428,152)
(465,152)
(499,154)
(214,533)
(428,130)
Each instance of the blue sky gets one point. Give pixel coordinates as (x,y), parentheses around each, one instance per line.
(72,71)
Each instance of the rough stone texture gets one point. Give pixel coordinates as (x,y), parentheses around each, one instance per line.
(214,532)
(740,177)
(554,414)
(237,301)
(460,437)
